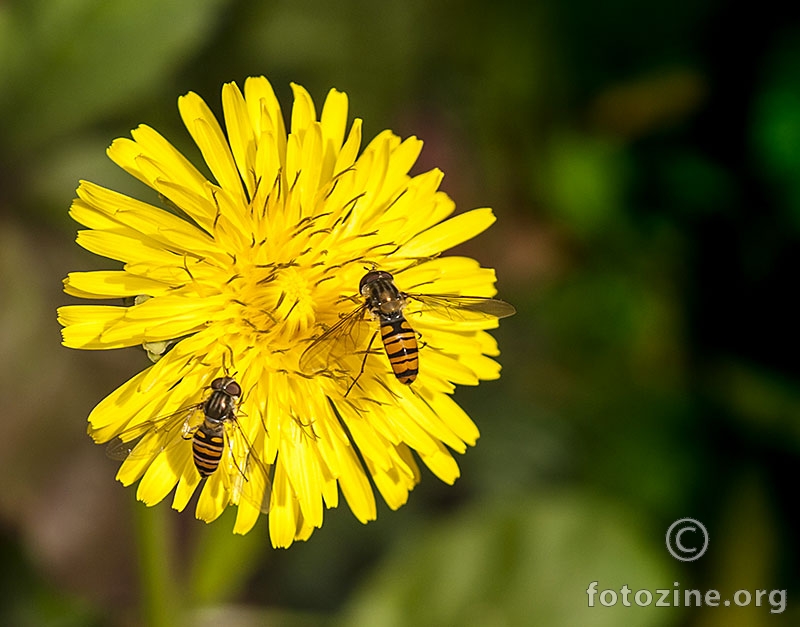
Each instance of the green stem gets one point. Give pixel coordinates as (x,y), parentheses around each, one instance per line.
(159,593)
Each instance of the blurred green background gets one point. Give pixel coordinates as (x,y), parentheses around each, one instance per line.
(643,160)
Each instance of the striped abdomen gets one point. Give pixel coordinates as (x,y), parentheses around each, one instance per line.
(400,343)
(207,446)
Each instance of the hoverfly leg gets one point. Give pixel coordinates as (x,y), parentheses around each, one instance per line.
(422,343)
(187,432)
(363,363)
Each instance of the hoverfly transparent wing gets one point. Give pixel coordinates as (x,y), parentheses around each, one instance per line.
(246,476)
(254,486)
(332,351)
(150,437)
(463,307)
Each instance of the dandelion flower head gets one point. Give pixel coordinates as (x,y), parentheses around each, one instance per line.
(238,273)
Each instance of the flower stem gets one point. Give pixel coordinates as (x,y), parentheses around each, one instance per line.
(159,594)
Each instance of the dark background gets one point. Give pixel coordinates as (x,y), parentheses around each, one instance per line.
(643,162)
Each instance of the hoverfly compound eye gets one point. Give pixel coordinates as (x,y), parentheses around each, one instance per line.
(217,384)
(233,389)
(372,276)
(368,278)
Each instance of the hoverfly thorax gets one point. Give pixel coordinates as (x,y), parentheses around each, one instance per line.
(381,295)
(222,402)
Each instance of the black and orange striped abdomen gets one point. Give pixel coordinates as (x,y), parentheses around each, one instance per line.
(207,446)
(400,343)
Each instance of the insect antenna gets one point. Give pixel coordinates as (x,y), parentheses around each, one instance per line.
(416,261)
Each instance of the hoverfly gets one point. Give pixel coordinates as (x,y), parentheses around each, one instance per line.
(386,303)
(212,434)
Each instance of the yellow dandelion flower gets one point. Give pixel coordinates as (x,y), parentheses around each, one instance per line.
(248,296)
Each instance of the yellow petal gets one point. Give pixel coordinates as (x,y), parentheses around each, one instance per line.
(442,464)
(333,123)
(240,134)
(283,515)
(265,113)
(207,134)
(189,480)
(213,498)
(450,233)
(158,481)
(349,151)
(111,284)
(85,324)
(303,113)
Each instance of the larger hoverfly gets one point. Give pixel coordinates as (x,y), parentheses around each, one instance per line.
(386,304)
(217,439)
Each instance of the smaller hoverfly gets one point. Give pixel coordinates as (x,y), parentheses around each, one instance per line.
(212,435)
(386,303)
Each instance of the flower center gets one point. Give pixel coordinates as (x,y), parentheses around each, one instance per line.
(274,301)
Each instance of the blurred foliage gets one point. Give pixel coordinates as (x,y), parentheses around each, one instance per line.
(510,564)
(68,63)
(643,161)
